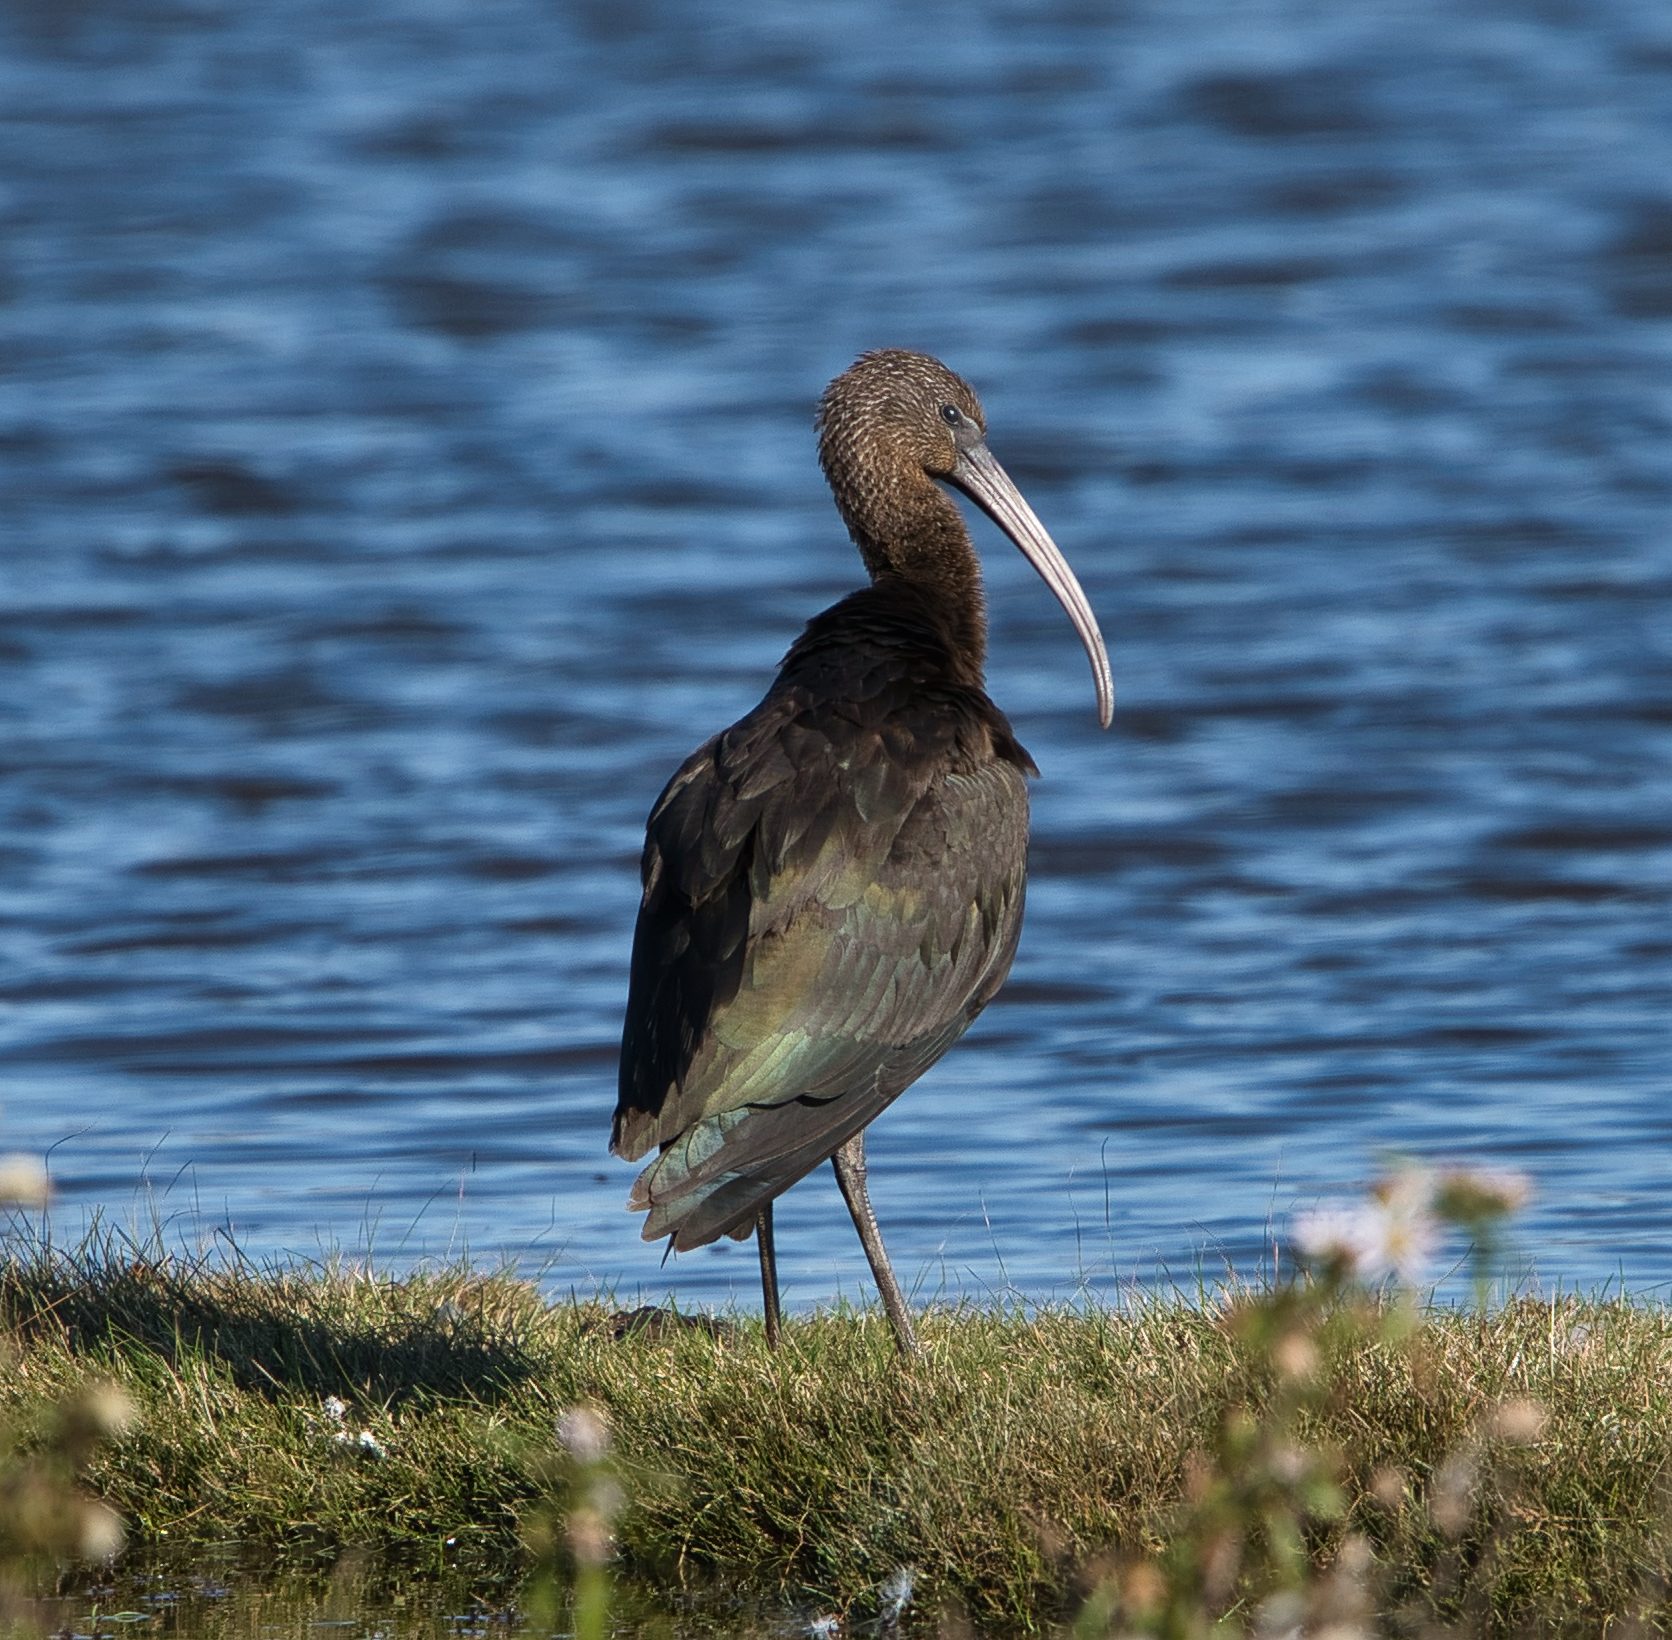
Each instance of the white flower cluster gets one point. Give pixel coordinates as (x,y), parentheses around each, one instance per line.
(1397,1232)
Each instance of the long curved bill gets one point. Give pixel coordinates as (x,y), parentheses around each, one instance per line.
(987,484)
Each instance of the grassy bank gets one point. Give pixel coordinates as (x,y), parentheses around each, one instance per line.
(1503,1472)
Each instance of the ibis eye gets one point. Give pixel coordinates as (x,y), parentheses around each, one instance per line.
(949,414)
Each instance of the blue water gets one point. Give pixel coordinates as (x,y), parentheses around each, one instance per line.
(405,458)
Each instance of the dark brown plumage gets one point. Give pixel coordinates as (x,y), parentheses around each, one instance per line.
(833,886)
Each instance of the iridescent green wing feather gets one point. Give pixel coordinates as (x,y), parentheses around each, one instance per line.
(829,900)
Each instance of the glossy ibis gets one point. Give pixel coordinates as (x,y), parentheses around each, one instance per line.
(833,886)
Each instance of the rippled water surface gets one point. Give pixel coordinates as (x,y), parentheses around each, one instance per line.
(405,458)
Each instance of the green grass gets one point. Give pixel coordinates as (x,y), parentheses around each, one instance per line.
(1013,1466)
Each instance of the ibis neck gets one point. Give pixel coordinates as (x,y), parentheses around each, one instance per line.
(928,548)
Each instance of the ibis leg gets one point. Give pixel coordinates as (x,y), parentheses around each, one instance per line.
(769,1274)
(849,1163)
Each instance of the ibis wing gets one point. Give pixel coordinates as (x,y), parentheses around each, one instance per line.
(827,905)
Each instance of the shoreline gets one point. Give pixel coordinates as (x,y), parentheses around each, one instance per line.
(1025,1461)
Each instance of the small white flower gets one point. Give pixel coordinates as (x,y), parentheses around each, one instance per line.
(1332,1235)
(1281,1616)
(1519,1422)
(1488,1190)
(824,1628)
(896,1595)
(1407,1191)
(1509,1184)
(110,1408)
(1394,1234)
(102,1533)
(583,1434)
(368,1443)
(23,1181)
(335,1409)
(1403,1245)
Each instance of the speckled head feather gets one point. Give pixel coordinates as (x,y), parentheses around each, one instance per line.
(889,425)
(894,398)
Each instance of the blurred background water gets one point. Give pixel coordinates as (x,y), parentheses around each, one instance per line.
(405,458)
